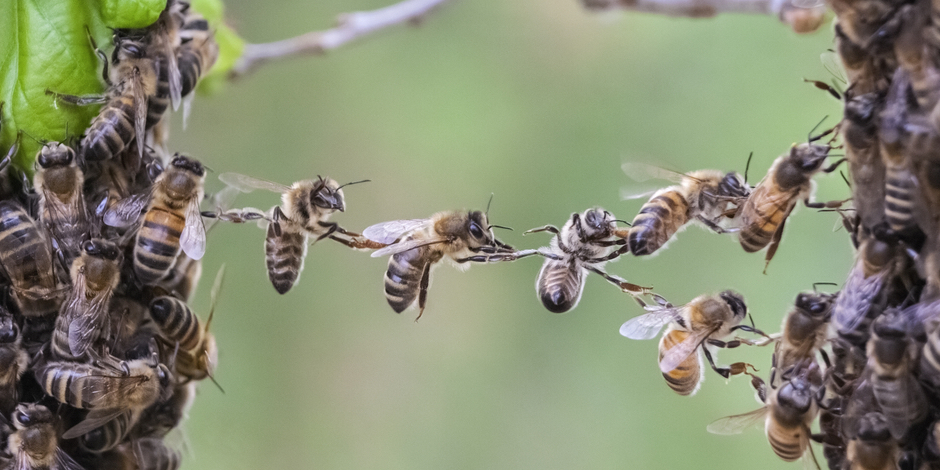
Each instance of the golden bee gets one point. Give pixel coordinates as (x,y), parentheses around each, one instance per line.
(418,244)
(85,313)
(27,261)
(305,209)
(59,182)
(171,222)
(703,196)
(788,414)
(131,80)
(762,216)
(35,444)
(697,325)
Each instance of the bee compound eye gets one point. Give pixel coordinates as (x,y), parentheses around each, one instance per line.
(475,230)
(90,247)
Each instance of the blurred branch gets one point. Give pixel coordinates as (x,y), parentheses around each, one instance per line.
(802,17)
(349,27)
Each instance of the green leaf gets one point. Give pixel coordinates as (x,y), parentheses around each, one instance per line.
(43,45)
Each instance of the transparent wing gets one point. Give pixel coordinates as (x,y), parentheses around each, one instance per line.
(737,423)
(126,211)
(855,298)
(173,74)
(247,184)
(193,238)
(405,246)
(140,112)
(833,64)
(94,420)
(807,3)
(768,204)
(62,461)
(22,461)
(680,352)
(88,323)
(388,232)
(644,172)
(647,326)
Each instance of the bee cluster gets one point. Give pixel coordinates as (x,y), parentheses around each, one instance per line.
(99,352)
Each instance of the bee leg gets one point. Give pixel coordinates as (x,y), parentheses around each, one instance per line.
(825,358)
(79,100)
(628,287)
(105,75)
(359,243)
(276,223)
(775,242)
(750,329)
(833,167)
(576,218)
(423,293)
(505,256)
(715,227)
(12,152)
(613,255)
(825,205)
(547,228)
(722,371)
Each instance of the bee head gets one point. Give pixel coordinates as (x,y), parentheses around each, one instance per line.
(100,248)
(733,185)
(736,302)
(327,194)
(598,223)
(188,164)
(873,427)
(816,305)
(55,154)
(795,396)
(164,376)
(126,48)
(29,414)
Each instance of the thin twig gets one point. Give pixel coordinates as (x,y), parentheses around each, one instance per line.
(349,27)
(804,16)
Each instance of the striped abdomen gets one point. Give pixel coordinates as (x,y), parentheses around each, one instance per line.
(60,340)
(930,360)
(284,256)
(177,322)
(788,442)
(403,277)
(27,260)
(153,454)
(158,244)
(559,285)
(659,219)
(760,220)
(158,102)
(110,434)
(72,383)
(67,227)
(685,378)
(196,56)
(902,401)
(199,363)
(111,130)
(13,362)
(899,197)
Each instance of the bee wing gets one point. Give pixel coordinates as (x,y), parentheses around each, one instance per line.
(173,73)
(88,319)
(57,207)
(643,172)
(647,326)
(405,246)
(94,420)
(387,232)
(62,461)
(193,238)
(247,184)
(833,64)
(126,211)
(140,112)
(855,298)
(735,424)
(769,204)
(680,352)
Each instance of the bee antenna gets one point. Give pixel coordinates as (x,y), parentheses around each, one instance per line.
(809,137)
(500,226)
(845,179)
(623,222)
(214,295)
(354,182)
(207,167)
(40,142)
(747,166)
(823,284)
(216,384)
(487,213)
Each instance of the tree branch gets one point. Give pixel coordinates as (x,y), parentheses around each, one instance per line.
(802,17)
(349,27)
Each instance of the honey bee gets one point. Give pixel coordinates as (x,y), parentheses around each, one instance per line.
(172,220)
(59,181)
(859,297)
(868,71)
(872,447)
(891,355)
(864,158)
(703,196)
(804,331)
(140,454)
(305,208)
(164,415)
(106,395)
(197,54)
(701,323)
(13,362)
(418,244)
(929,366)
(27,261)
(788,413)
(763,215)
(110,434)
(197,354)
(34,445)
(131,80)
(84,315)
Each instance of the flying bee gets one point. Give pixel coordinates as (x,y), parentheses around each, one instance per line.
(85,313)
(35,445)
(701,323)
(13,362)
(305,208)
(197,354)
(804,331)
(104,392)
(172,220)
(27,261)
(59,181)
(703,196)
(859,296)
(763,215)
(891,355)
(788,413)
(418,244)
(131,80)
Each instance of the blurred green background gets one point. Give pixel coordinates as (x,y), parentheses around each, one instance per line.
(539,103)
